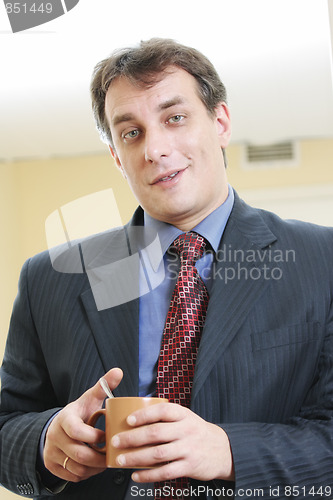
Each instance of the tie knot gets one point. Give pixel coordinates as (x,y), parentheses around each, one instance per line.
(190,247)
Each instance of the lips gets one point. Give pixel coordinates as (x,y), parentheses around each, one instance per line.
(167,178)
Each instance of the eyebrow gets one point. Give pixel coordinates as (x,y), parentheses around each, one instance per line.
(126,117)
(171,102)
(122,118)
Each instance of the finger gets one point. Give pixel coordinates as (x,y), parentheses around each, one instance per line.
(55,453)
(57,462)
(76,430)
(84,462)
(85,456)
(114,377)
(162,473)
(162,412)
(69,470)
(93,398)
(150,456)
(96,395)
(68,426)
(157,433)
(77,459)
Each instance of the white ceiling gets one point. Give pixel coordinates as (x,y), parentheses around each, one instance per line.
(273,55)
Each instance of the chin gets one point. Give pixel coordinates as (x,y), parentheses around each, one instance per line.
(172,211)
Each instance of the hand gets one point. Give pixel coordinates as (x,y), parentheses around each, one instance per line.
(181,442)
(68,433)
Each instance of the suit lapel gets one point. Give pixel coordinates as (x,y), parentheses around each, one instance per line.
(115,331)
(239,281)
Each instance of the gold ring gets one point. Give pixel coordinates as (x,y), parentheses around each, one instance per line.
(65,462)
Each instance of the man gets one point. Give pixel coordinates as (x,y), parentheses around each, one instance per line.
(260,421)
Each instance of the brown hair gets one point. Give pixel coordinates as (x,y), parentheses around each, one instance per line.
(144,66)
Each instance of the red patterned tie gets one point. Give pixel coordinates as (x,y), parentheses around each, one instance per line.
(181,336)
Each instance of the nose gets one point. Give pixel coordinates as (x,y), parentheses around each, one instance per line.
(157,144)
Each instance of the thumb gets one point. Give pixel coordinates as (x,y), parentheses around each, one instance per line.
(95,396)
(113,378)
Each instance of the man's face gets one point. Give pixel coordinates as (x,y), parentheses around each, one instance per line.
(169,147)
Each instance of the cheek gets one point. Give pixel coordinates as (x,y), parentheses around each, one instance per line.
(128,166)
(198,145)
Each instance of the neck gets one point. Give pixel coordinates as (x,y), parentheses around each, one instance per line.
(186,224)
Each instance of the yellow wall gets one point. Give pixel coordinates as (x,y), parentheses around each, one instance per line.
(10,244)
(315,166)
(31,191)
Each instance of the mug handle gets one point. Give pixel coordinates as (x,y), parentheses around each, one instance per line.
(92,421)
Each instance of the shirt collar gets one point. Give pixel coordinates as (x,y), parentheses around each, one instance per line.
(212,227)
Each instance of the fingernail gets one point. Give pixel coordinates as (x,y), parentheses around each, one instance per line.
(135,476)
(121,460)
(131,420)
(115,441)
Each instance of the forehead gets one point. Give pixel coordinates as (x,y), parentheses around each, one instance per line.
(175,85)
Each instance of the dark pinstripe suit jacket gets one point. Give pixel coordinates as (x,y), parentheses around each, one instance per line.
(264,370)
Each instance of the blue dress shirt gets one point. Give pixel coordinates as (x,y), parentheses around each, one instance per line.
(154,305)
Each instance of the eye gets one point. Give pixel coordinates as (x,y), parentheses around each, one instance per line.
(176,119)
(132,134)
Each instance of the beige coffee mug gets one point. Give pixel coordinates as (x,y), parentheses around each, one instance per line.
(116,412)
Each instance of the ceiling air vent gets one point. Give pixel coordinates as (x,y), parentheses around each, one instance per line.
(280,154)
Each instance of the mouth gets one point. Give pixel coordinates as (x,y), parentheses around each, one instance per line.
(168,178)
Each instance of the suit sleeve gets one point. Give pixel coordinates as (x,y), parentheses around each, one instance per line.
(293,458)
(27,398)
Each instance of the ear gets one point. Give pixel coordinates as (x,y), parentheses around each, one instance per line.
(223,124)
(116,159)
